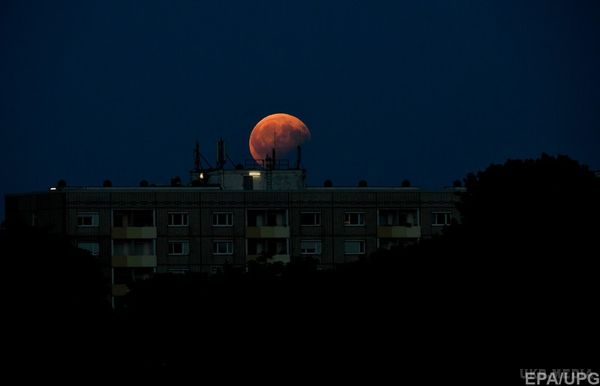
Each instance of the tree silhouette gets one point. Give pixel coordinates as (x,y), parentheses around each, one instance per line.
(529,225)
(546,204)
(107,183)
(56,276)
(405,183)
(58,297)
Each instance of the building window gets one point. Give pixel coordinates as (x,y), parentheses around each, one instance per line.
(310,219)
(133,218)
(223,247)
(441,218)
(87,220)
(267,218)
(134,247)
(179,248)
(354,247)
(310,247)
(267,247)
(92,248)
(222,219)
(178,219)
(393,217)
(354,219)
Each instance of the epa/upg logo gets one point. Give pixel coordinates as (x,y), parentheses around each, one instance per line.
(539,377)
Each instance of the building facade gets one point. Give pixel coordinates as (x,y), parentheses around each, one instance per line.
(136,232)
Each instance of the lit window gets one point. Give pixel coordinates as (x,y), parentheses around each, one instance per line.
(178,219)
(310,247)
(179,248)
(310,219)
(354,247)
(87,220)
(222,219)
(223,247)
(354,219)
(441,218)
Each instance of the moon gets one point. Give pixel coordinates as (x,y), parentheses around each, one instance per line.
(282,132)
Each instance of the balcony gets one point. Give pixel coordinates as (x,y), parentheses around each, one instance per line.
(134,261)
(399,232)
(274,259)
(134,233)
(271,232)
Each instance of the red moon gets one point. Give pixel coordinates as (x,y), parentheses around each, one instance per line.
(282,132)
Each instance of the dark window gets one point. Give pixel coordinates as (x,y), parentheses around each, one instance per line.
(310,219)
(222,219)
(441,218)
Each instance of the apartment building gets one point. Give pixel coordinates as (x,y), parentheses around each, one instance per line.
(138,231)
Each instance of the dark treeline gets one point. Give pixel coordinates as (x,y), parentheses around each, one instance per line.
(526,243)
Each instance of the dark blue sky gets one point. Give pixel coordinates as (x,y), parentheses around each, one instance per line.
(424,90)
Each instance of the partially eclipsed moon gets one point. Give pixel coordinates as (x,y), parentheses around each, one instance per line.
(280,131)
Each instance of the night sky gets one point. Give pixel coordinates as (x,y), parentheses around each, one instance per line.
(423,90)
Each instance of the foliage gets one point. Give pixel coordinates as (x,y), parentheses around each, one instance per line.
(55,306)
(533,207)
(55,279)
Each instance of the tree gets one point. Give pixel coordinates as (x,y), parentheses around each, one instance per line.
(54,277)
(362,183)
(531,224)
(107,183)
(541,202)
(56,296)
(405,183)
